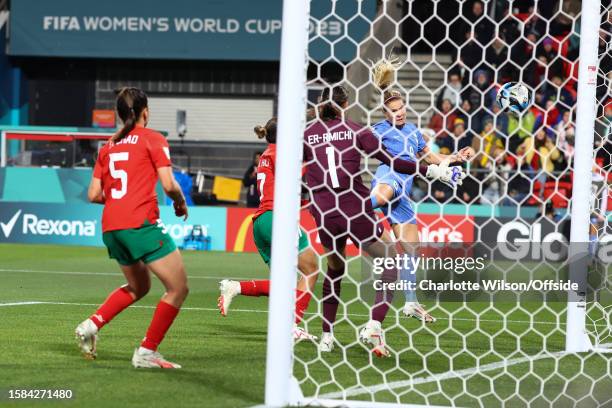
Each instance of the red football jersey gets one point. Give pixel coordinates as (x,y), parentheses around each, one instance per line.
(128,171)
(265,180)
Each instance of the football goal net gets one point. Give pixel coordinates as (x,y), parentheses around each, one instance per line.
(482,284)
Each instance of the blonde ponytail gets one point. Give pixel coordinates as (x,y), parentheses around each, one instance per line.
(383,75)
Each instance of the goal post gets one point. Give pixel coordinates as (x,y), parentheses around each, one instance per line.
(576,339)
(492,351)
(287,184)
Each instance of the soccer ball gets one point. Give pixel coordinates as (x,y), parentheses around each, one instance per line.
(513,97)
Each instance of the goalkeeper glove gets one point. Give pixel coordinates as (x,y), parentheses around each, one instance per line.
(451,175)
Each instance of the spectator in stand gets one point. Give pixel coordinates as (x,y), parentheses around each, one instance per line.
(534,24)
(489,147)
(482,25)
(470,189)
(556,91)
(519,129)
(490,157)
(462,137)
(497,58)
(548,117)
(603,136)
(524,64)
(250,182)
(452,90)
(501,121)
(509,27)
(441,123)
(482,96)
(565,135)
(546,53)
(540,154)
(471,53)
(561,25)
(465,112)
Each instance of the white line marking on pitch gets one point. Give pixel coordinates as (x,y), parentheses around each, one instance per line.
(253,311)
(212,309)
(205,309)
(21,303)
(443,376)
(114,274)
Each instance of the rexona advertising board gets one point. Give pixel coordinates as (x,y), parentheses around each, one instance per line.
(80,224)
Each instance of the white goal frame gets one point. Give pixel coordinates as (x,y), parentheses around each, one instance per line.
(281,388)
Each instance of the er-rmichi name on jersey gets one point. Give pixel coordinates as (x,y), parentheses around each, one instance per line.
(330,137)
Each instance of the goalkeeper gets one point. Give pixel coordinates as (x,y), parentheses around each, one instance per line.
(391,190)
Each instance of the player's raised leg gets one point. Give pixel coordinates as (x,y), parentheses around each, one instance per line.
(171,273)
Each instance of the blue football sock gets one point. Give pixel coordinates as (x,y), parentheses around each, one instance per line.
(408,274)
(592,244)
(374,202)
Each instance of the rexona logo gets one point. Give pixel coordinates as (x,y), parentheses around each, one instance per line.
(33,225)
(7,228)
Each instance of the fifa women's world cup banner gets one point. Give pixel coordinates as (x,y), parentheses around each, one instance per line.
(180,29)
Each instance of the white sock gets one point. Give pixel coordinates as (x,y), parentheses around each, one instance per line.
(142,350)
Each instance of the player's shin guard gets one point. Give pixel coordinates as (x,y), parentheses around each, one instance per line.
(114,304)
(255,288)
(331,297)
(164,315)
(384,297)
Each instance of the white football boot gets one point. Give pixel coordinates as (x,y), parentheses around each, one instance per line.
(228,289)
(372,335)
(326,345)
(86,334)
(300,334)
(416,310)
(144,358)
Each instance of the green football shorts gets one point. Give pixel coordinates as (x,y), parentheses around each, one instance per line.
(262,234)
(147,244)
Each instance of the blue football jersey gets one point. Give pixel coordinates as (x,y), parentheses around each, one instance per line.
(405,142)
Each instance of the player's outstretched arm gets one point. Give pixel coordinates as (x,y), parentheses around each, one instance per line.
(372,145)
(464,155)
(95,194)
(173,190)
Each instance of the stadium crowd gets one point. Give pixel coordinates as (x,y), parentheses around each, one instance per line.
(522,160)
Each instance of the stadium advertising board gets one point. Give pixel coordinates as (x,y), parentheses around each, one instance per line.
(432,228)
(80,224)
(229,229)
(181,29)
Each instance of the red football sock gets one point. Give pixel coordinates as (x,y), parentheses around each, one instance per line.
(112,306)
(162,320)
(255,288)
(302,299)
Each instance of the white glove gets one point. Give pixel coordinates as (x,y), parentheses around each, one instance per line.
(451,175)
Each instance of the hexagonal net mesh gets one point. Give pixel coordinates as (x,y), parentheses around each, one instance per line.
(443,61)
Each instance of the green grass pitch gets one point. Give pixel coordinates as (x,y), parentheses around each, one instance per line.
(224,358)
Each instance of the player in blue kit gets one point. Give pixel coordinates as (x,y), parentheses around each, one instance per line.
(391,190)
